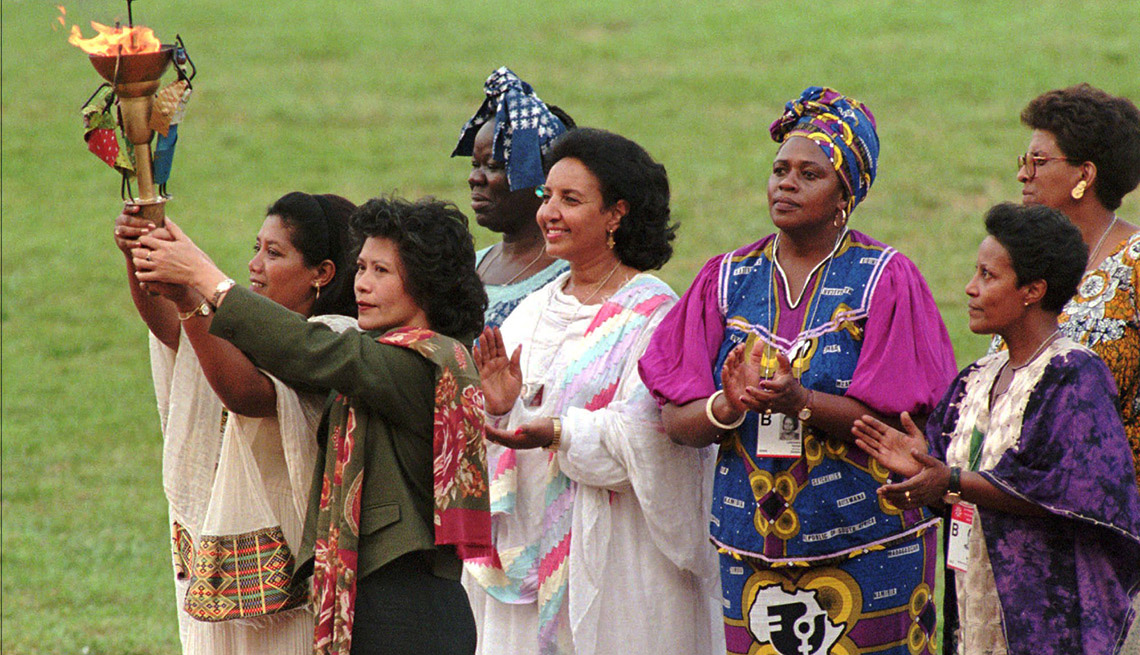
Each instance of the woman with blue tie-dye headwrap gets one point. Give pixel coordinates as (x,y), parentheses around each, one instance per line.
(506,139)
(819,324)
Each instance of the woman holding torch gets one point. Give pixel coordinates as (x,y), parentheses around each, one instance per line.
(239,445)
(400,494)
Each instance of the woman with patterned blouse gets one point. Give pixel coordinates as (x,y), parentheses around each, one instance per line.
(1083,158)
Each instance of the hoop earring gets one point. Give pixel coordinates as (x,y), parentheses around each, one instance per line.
(840,218)
(1079,190)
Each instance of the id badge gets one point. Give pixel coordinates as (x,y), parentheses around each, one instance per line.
(958,550)
(778,435)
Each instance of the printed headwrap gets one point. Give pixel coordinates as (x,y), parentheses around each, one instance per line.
(843,128)
(524,128)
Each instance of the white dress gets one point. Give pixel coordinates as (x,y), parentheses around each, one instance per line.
(284,453)
(643,576)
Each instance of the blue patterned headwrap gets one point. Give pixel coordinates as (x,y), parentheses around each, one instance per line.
(843,128)
(524,128)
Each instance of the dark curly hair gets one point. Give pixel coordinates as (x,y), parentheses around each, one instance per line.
(437,253)
(625,171)
(1091,125)
(318,227)
(1043,245)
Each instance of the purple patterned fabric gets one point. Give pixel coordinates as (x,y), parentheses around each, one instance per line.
(1065,579)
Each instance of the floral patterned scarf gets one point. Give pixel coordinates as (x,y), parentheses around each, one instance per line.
(462,505)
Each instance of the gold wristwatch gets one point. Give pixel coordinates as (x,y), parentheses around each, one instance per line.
(805,413)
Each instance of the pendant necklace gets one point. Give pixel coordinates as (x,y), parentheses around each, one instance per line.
(1008,370)
(499,254)
(601,284)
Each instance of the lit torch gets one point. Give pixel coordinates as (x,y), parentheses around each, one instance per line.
(132,60)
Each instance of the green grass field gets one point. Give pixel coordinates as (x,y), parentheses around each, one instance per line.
(362,98)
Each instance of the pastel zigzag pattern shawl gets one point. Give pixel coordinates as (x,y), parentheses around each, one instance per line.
(589,382)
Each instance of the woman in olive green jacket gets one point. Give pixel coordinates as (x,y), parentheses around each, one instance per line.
(402,496)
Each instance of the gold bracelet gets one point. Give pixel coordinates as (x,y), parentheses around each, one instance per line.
(712,417)
(200,310)
(557,440)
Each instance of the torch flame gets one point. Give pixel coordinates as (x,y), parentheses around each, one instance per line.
(112,41)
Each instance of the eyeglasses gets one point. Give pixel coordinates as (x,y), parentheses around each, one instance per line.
(1031,162)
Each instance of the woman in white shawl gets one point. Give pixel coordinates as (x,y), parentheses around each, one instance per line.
(239,446)
(600,539)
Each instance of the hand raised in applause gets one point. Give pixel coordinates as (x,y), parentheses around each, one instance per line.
(781,393)
(741,370)
(500,372)
(894,449)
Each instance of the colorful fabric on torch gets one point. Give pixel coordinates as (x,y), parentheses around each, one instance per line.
(164,154)
(462,502)
(169,106)
(524,128)
(843,128)
(99,131)
(167,112)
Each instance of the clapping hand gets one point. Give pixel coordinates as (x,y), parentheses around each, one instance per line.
(536,434)
(744,386)
(925,488)
(741,371)
(500,373)
(895,450)
(904,453)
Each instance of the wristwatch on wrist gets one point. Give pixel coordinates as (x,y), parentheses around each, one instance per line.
(805,412)
(220,290)
(953,493)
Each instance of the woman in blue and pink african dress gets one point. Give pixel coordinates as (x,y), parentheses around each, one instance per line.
(1029,450)
(812,561)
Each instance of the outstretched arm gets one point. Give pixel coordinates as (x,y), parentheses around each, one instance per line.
(169,256)
(158,312)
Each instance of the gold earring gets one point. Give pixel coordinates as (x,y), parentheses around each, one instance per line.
(317,286)
(840,218)
(1079,190)
(610,239)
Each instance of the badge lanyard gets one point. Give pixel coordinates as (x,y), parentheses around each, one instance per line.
(781,435)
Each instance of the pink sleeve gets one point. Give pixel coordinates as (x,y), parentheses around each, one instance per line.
(677,365)
(907,361)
